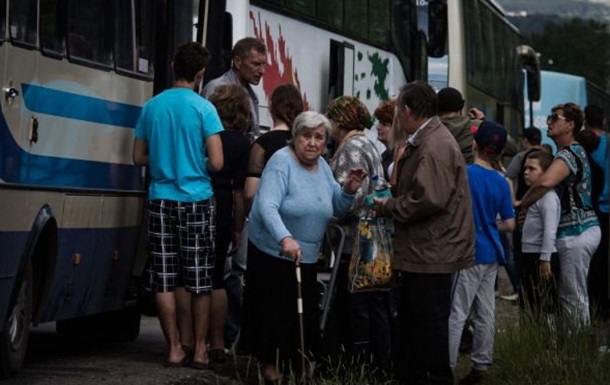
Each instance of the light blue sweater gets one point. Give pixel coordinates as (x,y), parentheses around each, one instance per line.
(292,201)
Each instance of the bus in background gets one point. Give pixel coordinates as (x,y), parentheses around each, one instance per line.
(474,48)
(557,88)
(326,48)
(74,77)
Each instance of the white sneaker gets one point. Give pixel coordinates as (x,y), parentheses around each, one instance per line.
(512,297)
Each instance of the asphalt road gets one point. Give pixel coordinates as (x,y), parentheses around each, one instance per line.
(53,360)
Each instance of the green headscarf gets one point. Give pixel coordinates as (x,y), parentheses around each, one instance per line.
(349,113)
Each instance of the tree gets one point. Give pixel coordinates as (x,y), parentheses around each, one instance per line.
(576,46)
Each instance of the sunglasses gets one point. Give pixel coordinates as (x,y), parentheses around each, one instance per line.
(555,117)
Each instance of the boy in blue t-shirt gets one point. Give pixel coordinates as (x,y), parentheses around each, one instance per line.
(177,137)
(474,287)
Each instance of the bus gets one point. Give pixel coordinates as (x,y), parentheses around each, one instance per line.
(559,87)
(326,48)
(74,75)
(471,46)
(370,48)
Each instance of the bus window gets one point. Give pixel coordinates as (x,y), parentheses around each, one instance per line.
(305,7)
(133,39)
(22,19)
(356,18)
(52,27)
(90,31)
(331,12)
(379,22)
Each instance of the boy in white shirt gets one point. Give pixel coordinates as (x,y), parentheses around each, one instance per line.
(539,261)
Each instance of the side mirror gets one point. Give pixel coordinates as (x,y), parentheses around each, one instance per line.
(437,28)
(531,65)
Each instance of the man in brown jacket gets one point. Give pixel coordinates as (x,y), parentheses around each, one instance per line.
(434,235)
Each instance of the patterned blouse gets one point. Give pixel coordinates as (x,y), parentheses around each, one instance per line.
(356,152)
(579,215)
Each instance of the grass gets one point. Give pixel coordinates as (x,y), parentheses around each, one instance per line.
(528,351)
(343,371)
(544,352)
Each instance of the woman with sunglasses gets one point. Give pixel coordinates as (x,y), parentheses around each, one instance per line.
(578,234)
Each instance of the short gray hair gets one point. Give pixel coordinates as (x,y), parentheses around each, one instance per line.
(308,121)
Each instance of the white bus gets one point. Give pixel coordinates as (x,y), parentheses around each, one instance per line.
(74,76)
(326,48)
(370,48)
(474,48)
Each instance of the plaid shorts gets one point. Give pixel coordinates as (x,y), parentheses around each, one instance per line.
(181,247)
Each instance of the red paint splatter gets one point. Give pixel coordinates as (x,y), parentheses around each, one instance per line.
(274,75)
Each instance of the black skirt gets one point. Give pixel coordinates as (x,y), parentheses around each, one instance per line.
(270,328)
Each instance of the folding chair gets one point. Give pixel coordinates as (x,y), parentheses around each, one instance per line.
(331,254)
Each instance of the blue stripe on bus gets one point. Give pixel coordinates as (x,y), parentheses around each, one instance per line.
(69,105)
(19,166)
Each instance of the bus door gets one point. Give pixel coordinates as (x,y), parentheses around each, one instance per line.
(341,69)
(7,156)
(215,32)
(18,67)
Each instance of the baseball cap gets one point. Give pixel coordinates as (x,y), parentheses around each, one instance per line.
(490,137)
(450,100)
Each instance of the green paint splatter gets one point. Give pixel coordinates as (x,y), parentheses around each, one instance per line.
(356,77)
(368,93)
(360,56)
(358,94)
(380,71)
(363,75)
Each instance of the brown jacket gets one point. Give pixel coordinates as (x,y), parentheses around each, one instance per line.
(432,210)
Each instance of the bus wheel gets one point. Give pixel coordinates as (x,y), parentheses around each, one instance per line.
(14,337)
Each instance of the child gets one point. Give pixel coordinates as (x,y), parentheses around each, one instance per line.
(539,258)
(474,287)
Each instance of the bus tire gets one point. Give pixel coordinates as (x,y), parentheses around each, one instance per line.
(14,337)
(117,326)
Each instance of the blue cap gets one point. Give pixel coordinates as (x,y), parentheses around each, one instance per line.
(490,137)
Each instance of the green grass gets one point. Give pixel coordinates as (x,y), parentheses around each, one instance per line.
(528,351)
(536,351)
(344,371)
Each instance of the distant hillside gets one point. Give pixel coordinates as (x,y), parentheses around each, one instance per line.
(533,23)
(563,8)
(530,16)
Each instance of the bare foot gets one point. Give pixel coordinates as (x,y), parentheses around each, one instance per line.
(176,356)
(201,357)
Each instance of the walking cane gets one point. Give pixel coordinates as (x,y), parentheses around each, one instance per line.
(300,311)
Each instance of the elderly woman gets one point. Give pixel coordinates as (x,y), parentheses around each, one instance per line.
(578,234)
(285,103)
(297,197)
(367,314)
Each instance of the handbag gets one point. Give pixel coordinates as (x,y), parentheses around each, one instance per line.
(370,266)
